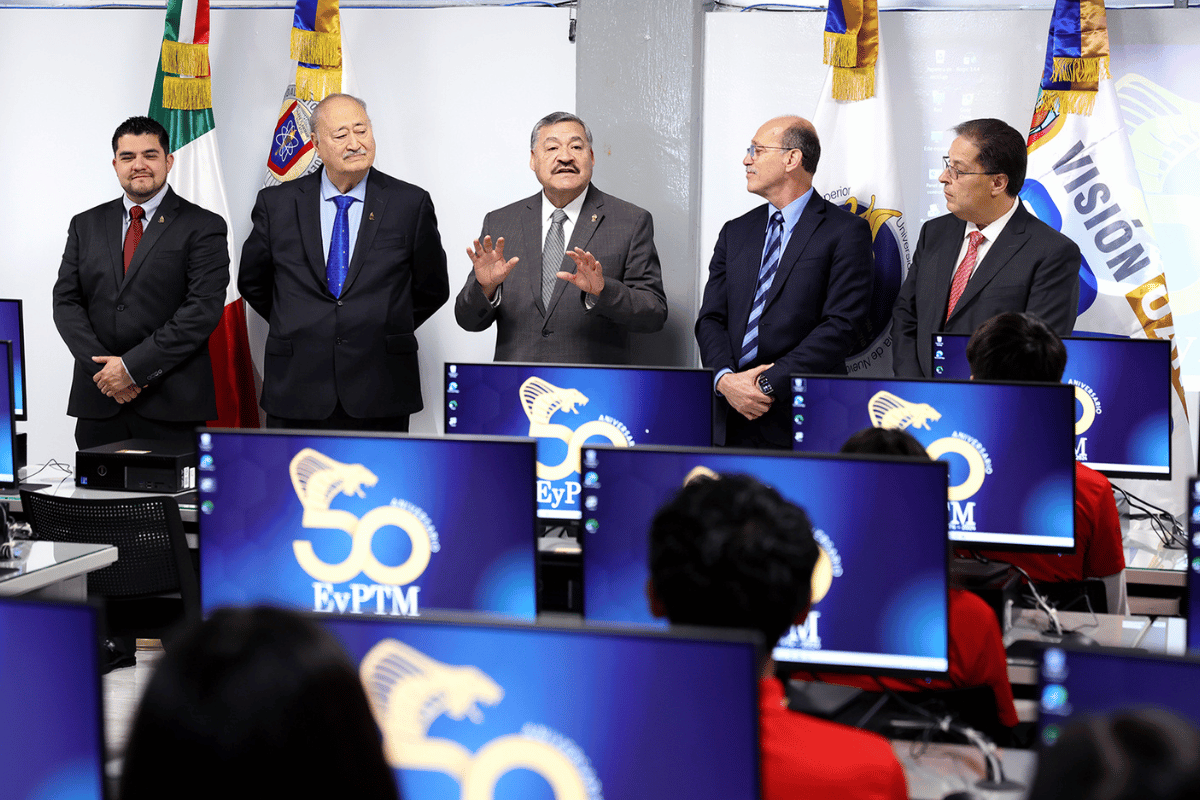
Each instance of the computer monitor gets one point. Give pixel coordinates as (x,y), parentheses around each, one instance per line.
(362,523)
(53,732)
(12,328)
(8,427)
(880,592)
(1095,680)
(483,710)
(565,407)
(1010,447)
(1122,433)
(1191,608)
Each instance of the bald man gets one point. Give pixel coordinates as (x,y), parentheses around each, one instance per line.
(789,289)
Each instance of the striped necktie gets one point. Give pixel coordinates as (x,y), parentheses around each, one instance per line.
(766,274)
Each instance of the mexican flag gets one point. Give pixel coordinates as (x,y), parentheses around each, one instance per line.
(182,102)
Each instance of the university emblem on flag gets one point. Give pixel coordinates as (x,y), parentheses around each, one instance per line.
(292,151)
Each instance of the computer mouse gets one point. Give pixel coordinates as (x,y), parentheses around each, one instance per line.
(961,795)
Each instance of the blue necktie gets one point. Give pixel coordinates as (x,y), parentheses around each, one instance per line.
(339,248)
(766,274)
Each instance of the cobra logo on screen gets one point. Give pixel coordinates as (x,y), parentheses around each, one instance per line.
(541,401)
(887,410)
(408,691)
(318,480)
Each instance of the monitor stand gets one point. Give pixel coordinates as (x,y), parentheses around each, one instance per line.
(818,699)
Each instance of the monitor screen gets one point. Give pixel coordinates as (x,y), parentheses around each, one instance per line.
(1122,433)
(1009,445)
(1096,680)
(12,328)
(481,710)
(366,524)
(53,732)
(8,427)
(565,407)
(1191,607)
(880,599)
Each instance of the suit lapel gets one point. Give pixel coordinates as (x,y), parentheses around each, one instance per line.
(372,213)
(946,262)
(742,272)
(531,230)
(164,215)
(1010,240)
(113,223)
(591,214)
(810,219)
(308,213)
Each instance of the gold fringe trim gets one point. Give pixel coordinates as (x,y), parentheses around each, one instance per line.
(187,94)
(316,84)
(1086,70)
(312,47)
(853,84)
(841,49)
(182,58)
(1067,102)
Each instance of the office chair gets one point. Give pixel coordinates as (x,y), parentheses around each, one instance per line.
(152,586)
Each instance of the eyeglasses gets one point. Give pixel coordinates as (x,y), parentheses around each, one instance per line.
(755,150)
(956,172)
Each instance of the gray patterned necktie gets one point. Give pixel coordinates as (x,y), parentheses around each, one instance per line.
(552,255)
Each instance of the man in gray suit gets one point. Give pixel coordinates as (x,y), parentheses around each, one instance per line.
(583,271)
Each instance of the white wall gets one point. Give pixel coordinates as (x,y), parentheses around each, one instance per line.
(452,93)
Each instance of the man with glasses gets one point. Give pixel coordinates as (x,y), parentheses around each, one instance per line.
(789,290)
(987,256)
(569,273)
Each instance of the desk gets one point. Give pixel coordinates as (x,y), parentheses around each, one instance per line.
(54,570)
(1155,591)
(938,769)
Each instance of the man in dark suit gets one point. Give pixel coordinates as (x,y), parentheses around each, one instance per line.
(789,289)
(549,308)
(141,287)
(987,256)
(344,264)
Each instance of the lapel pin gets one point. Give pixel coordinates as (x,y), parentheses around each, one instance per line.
(593,217)
(162,219)
(372,216)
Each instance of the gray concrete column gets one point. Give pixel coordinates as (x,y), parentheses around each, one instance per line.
(639,85)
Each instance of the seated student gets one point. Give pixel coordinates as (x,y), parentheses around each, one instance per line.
(255,703)
(976,647)
(1142,754)
(732,553)
(1020,347)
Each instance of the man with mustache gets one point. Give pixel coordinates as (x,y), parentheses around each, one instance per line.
(344,264)
(140,288)
(987,256)
(569,273)
(789,290)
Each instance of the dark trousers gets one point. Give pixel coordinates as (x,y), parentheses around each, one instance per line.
(339,420)
(128,424)
(749,434)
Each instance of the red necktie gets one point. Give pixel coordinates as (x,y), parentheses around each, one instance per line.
(963,273)
(134,234)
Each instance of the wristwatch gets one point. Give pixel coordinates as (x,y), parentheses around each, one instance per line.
(764,385)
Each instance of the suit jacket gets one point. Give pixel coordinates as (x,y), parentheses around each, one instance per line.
(360,348)
(816,311)
(621,237)
(1030,267)
(157,316)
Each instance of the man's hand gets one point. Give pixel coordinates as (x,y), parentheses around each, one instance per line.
(113,378)
(742,392)
(490,267)
(588,274)
(127,394)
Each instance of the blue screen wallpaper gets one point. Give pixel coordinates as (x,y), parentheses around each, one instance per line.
(10,329)
(536,712)
(885,602)
(362,524)
(1009,446)
(1122,399)
(52,736)
(1082,681)
(565,407)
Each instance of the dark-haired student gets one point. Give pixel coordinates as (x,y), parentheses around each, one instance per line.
(732,553)
(1021,347)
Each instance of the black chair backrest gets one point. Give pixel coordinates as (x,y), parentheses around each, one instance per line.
(152,555)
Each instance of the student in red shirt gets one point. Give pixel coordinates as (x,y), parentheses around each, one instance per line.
(733,553)
(1020,347)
